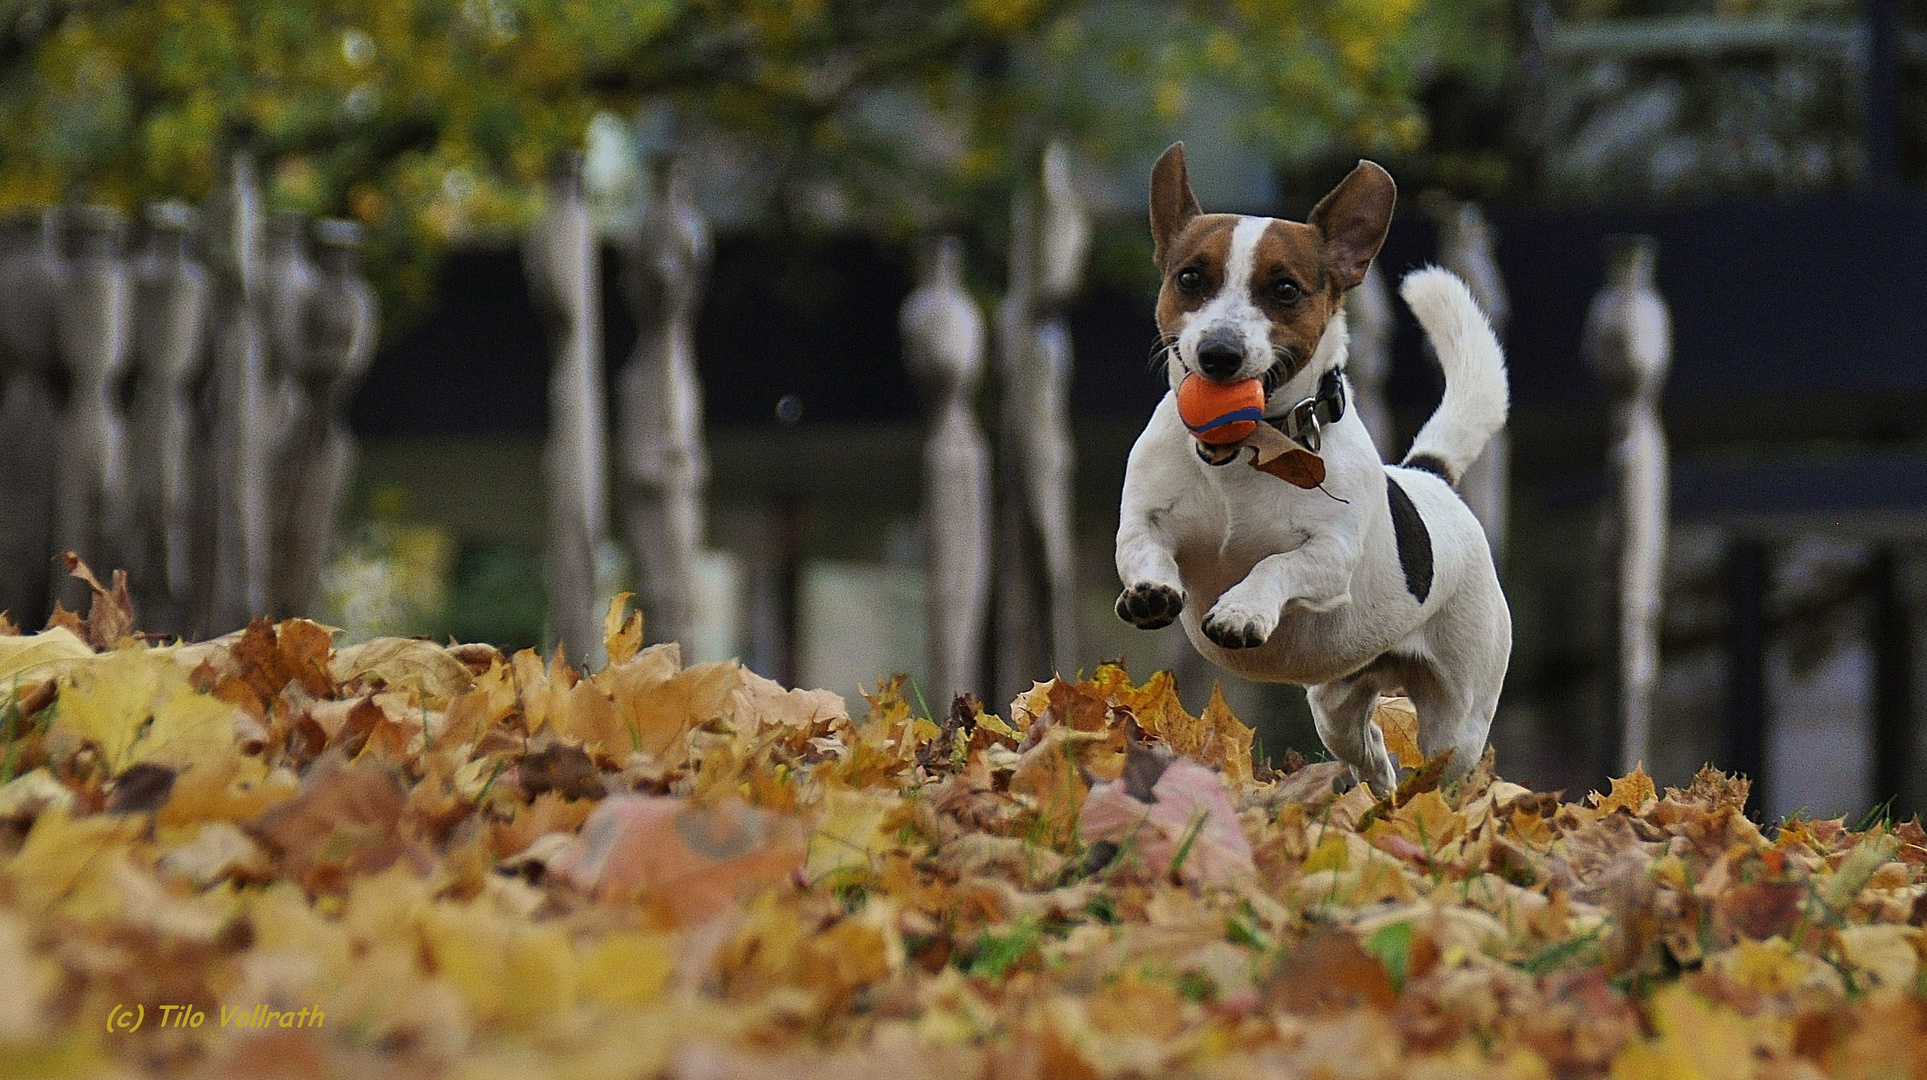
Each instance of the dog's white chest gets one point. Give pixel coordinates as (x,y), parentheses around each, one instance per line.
(1223,521)
(1228,517)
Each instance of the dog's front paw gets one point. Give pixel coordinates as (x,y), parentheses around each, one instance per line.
(1149,606)
(1234,626)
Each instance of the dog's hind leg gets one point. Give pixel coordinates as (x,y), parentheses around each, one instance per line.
(1452,715)
(1455,681)
(1343,709)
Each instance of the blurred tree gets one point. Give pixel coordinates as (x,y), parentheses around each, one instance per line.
(432,121)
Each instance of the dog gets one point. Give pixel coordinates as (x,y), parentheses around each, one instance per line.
(1317,564)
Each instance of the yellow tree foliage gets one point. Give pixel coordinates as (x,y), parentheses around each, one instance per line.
(435,120)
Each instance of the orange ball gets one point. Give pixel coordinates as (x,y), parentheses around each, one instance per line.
(1220,413)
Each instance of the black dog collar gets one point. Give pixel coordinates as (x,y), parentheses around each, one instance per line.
(1303,423)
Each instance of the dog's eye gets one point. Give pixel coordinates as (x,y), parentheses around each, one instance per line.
(1286,293)
(1189,280)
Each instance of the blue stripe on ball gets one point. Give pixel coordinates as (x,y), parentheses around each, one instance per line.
(1232,417)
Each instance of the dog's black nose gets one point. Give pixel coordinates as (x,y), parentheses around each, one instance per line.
(1219,357)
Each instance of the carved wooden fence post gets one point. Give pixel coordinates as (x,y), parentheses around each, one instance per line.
(664,464)
(30,273)
(1052,456)
(1628,344)
(1036,565)
(1466,249)
(1368,316)
(330,341)
(564,269)
(943,339)
(287,290)
(241,453)
(288,276)
(165,432)
(1019,649)
(94,321)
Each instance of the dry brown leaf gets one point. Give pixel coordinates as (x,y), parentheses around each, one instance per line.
(682,861)
(1215,738)
(1330,973)
(547,813)
(341,824)
(1630,793)
(421,669)
(1398,720)
(585,714)
(110,612)
(487,702)
(621,638)
(1048,775)
(562,769)
(387,835)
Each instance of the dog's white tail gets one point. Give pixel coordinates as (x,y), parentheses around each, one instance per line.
(1474,406)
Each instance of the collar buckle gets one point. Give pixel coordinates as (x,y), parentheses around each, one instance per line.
(1302,425)
(1304,422)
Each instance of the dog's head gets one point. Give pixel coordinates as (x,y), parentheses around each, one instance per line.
(1250,297)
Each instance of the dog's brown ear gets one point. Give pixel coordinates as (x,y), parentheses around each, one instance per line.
(1353,219)
(1172,203)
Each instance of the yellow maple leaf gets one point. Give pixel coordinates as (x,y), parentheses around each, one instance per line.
(506,970)
(661,714)
(231,788)
(846,955)
(1629,791)
(627,968)
(1772,966)
(1332,853)
(1033,703)
(1396,717)
(766,946)
(107,705)
(1699,1039)
(763,709)
(1654,1061)
(585,713)
(50,653)
(1224,740)
(1429,820)
(532,683)
(68,861)
(189,728)
(1217,738)
(851,834)
(777,949)
(138,707)
(1534,829)
(994,724)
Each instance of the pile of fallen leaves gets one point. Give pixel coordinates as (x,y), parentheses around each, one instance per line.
(459,863)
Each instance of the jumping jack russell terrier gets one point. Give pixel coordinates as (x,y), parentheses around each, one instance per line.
(1294,555)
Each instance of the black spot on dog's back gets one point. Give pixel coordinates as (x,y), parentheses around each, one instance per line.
(1414,542)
